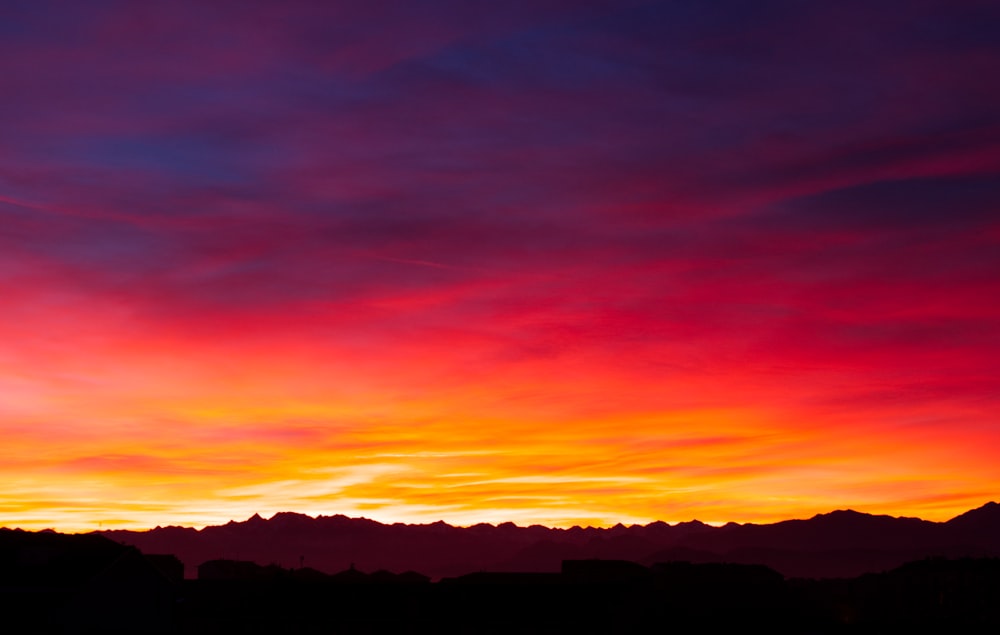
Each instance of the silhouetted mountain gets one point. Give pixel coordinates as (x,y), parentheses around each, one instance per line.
(977,524)
(839,530)
(842,543)
(543,556)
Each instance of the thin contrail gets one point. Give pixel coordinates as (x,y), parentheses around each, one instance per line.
(140,220)
(421,263)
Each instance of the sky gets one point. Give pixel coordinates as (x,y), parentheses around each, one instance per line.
(556,262)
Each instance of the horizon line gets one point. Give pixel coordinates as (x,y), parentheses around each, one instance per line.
(715,524)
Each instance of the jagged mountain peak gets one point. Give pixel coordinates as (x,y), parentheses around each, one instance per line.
(844,541)
(691,523)
(291,519)
(851,516)
(987,514)
(843,514)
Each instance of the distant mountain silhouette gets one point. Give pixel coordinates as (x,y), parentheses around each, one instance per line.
(977,523)
(843,543)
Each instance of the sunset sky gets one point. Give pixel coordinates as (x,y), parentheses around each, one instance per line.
(558,262)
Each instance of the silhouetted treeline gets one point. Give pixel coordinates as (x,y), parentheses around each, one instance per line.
(50,583)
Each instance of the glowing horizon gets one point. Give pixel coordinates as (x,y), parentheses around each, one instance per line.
(543,264)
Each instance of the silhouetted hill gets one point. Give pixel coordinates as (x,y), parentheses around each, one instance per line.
(56,583)
(842,543)
(933,595)
(977,524)
(52,558)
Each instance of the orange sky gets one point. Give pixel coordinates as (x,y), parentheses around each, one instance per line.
(539,263)
(121,421)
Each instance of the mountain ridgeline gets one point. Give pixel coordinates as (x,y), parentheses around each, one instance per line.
(839,544)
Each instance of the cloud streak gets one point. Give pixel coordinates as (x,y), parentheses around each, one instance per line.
(547,262)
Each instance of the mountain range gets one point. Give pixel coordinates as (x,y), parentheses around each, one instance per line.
(842,543)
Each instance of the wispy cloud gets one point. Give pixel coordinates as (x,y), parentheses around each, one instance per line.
(541,261)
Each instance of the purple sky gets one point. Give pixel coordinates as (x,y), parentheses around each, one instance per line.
(437,226)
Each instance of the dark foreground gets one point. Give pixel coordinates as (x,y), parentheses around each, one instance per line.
(87,584)
(612,597)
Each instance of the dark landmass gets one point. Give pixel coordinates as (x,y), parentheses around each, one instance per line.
(840,544)
(54,583)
